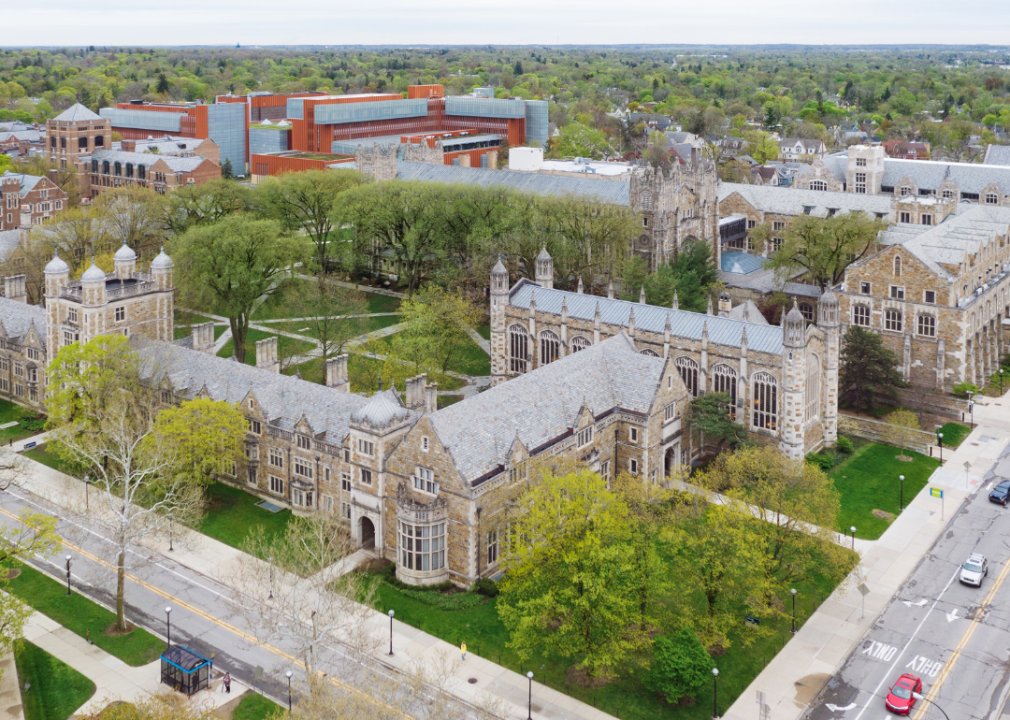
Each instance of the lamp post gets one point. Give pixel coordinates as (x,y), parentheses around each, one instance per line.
(971,408)
(391,613)
(901,500)
(168,623)
(529,706)
(1001,381)
(715,696)
(853,531)
(87,499)
(288,674)
(939,436)
(919,696)
(271,561)
(68,576)
(171,532)
(479,508)
(793,593)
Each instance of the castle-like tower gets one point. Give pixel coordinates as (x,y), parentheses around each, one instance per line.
(676,205)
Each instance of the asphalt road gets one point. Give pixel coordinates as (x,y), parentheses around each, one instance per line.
(954,637)
(203,617)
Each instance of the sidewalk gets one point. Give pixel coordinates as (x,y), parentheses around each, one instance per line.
(11,706)
(796,675)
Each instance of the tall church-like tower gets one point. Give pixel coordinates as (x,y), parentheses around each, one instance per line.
(499,299)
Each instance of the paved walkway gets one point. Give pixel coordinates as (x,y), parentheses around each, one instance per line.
(796,675)
(11,707)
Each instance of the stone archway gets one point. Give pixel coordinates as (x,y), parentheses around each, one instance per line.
(671,459)
(366,533)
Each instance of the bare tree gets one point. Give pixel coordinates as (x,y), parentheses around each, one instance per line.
(329,312)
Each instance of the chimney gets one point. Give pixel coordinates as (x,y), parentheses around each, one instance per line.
(266,355)
(336,373)
(14,288)
(128,145)
(492,160)
(416,391)
(431,397)
(203,337)
(54,175)
(464,160)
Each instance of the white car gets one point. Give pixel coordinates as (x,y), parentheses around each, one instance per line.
(974,569)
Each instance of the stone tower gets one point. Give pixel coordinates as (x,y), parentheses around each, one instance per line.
(828,321)
(377,162)
(499,299)
(545,269)
(57,274)
(794,373)
(865,169)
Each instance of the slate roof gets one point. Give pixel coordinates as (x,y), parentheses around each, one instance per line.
(615,192)
(283,398)
(748,311)
(997,155)
(812,146)
(543,405)
(176,164)
(77,113)
(381,409)
(9,241)
(792,201)
(172,146)
(649,318)
(32,135)
(930,174)
(28,182)
(17,317)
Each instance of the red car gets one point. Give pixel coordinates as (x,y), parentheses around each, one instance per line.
(901,696)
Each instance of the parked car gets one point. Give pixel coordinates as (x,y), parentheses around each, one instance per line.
(1000,493)
(974,569)
(901,697)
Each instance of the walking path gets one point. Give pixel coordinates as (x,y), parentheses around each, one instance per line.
(796,675)
(11,706)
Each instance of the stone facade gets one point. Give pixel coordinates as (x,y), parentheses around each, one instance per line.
(22,346)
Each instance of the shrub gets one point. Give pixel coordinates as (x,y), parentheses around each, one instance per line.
(843,444)
(389,577)
(824,462)
(965,388)
(486,587)
(680,666)
(33,425)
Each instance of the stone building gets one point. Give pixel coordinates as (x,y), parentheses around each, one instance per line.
(27,200)
(783,381)
(22,346)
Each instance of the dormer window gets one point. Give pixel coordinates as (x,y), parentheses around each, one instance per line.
(304,443)
(584,437)
(366,447)
(254,426)
(424,480)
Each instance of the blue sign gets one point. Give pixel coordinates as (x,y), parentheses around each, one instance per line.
(752,620)
(29,445)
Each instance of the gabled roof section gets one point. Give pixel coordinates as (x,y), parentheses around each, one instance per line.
(27,182)
(77,113)
(17,319)
(793,201)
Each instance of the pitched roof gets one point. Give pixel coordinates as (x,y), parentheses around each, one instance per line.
(543,405)
(809,145)
(649,318)
(997,155)
(31,135)
(609,191)
(792,201)
(77,113)
(9,241)
(930,174)
(176,164)
(28,182)
(16,318)
(748,311)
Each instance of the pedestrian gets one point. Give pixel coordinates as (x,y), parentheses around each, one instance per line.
(227,682)
(462,649)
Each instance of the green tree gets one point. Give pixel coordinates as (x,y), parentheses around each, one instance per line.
(680,666)
(329,311)
(869,370)
(710,415)
(569,565)
(578,140)
(227,172)
(163,86)
(208,437)
(435,328)
(691,274)
(902,429)
(203,204)
(229,266)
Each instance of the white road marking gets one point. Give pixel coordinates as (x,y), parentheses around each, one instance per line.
(880,651)
(925,666)
(952,615)
(836,708)
(914,604)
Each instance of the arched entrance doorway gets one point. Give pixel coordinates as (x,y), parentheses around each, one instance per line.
(367,534)
(671,459)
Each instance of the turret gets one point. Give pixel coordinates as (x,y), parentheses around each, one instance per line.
(794,328)
(828,321)
(93,286)
(545,269)
(161,269)
(794,375)
(126,262)
(57,274)
(499,301)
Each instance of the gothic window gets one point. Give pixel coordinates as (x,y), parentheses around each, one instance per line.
(724,380)
(105,167)
(905,190)
(897,266)
(948,194)
(766,401)
(579,343)
(991,199)
(422,547)
(818,185)
(892,320)
(807,311)
(645,200)
(519,348)
(492,548)
(129,170)
(688,370)
(927,326)
(94,166)
(861,315)
(650,353)
(812,389)
(117,169)
(550,347)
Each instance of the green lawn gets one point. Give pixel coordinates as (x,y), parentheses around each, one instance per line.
(626,697)
(954,434)
(278,305)
(232,513)
(185,317)
(55,690)
(364,374)
(285,346)
(868,481)
(361,325)
(256,707)
(80,615)
(470,360)
(382,303)
(10,412)
(48,457)
(485,331)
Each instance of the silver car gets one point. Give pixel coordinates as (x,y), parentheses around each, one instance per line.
(974,569)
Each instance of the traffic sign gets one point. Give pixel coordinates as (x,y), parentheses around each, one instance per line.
(936,492)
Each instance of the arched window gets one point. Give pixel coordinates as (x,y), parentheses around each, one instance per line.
(645,200)
(812,389)
(991,199)
(688,370)
(550,347)
(892,320)
(724,380)
(129,170)
(861,315)
(105,167)
(897,266)
(650,353)
(519,348)
(927,326)
(818,185)
(579,343)
(807,311)
(117,169)
(141,172)
(766,401)
(94,166)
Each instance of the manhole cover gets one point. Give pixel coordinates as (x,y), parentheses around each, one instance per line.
(472,681)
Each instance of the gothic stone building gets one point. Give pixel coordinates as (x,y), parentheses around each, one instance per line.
(783,381)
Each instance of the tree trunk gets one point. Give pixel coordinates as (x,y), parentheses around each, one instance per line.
(120,591)
(239,331)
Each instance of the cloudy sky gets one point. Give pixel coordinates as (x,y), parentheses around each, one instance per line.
(338,22)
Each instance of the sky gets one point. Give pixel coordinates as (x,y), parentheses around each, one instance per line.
(511,22)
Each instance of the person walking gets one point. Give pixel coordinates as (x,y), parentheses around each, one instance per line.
(462,649)
(227,682)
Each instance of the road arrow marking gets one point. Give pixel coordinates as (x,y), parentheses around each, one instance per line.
(914,604)
(952,615)
(836,708)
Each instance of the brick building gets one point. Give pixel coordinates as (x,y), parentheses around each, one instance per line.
(76,132)
(27,200)
(105,169)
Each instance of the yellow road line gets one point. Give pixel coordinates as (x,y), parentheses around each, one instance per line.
(949,665)
(231,628)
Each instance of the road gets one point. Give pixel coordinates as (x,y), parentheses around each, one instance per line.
(204,616)
(954,637)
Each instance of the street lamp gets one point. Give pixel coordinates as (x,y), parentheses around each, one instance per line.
(271,561)
(901,501)
(288,673)
(391,613)
(479,509)
(87,499)
(1001,381)
(940,438)
(793,593)
(971,408)
(715,696)
(853,531)
(918,696)
(171,532)
(168,623)
(529,706)
(68,576)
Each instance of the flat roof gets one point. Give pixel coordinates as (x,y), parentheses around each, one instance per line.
(590,168)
